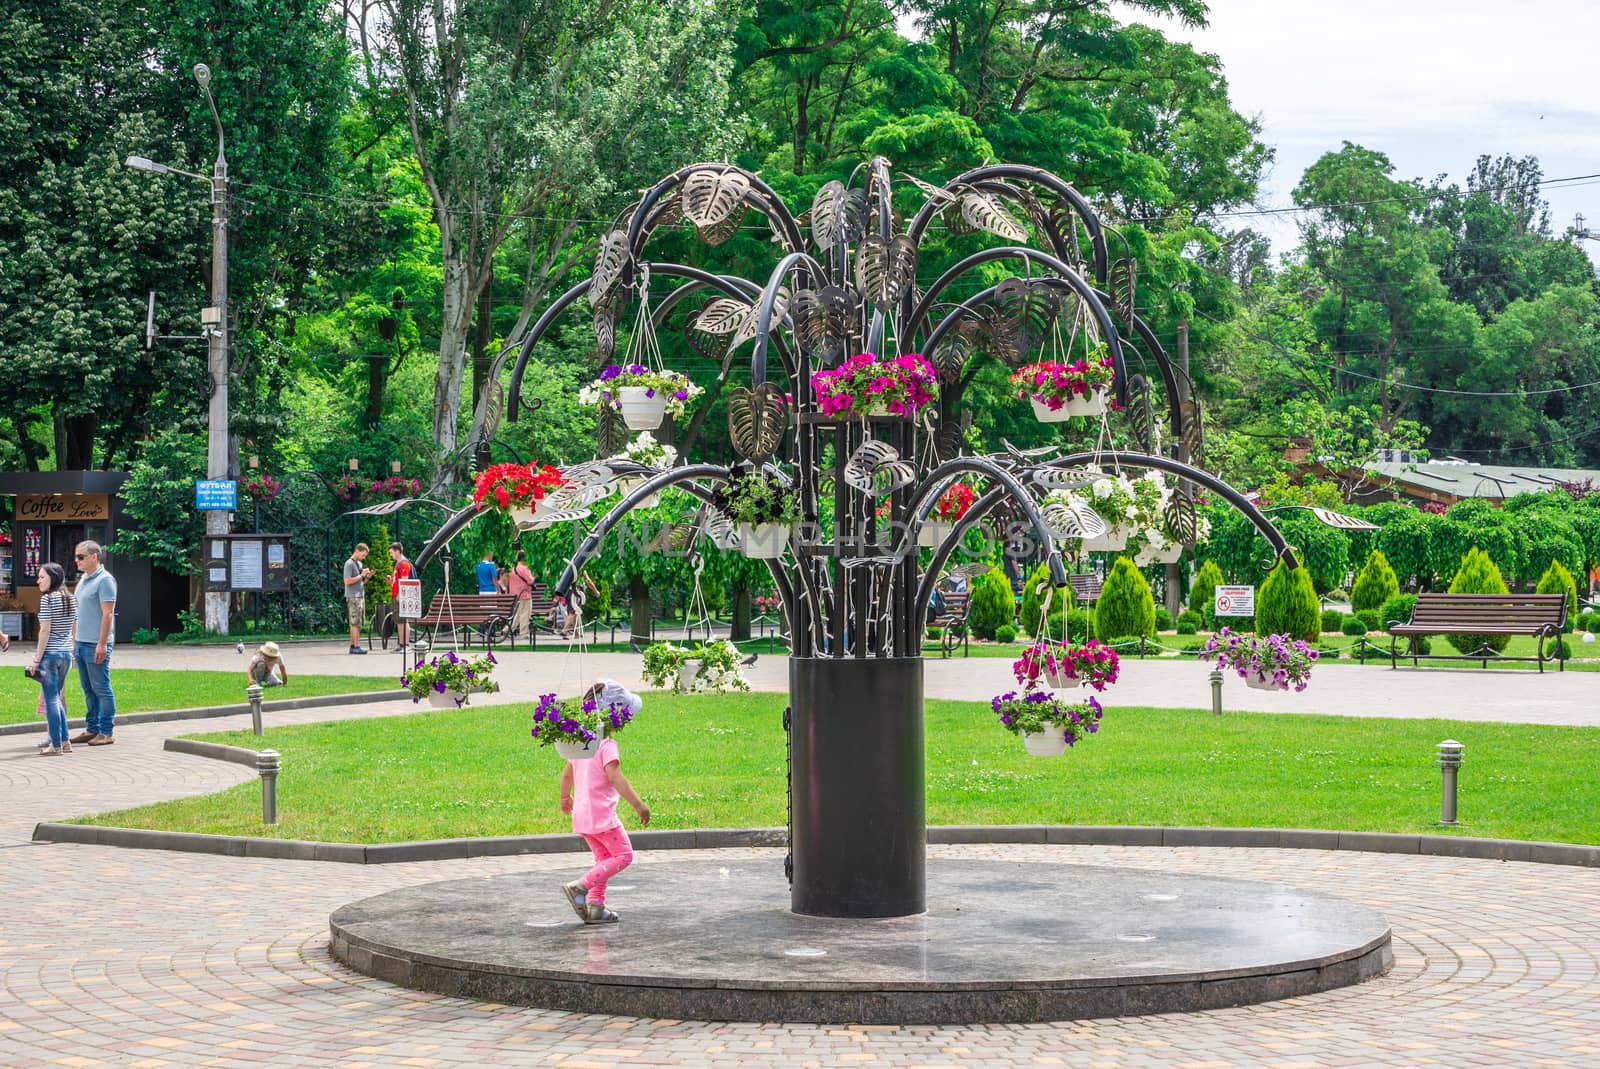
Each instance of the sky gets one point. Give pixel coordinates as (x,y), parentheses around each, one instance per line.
(1431,83)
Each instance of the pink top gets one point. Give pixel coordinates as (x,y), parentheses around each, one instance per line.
(594,800)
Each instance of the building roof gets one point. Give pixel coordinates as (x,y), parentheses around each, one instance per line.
(1462,480)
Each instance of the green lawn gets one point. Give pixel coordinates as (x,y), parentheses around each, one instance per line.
(141,690)
(718,761)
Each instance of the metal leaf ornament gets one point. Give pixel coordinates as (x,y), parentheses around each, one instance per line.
(757,419)
(1054,478)
(938,194)
(567,496)
(837,214)
(551,517)
(948,441)
(823,319)
(1192,434)
(877,469)
(721,232)
(1072,520)
(1141,413)
(950,356)
(611,259)
(1125,288)
(1180,520)
(1026,311)
(885,267)
(588,473)
(986,212)
(610,432)
(711,196)
(605,334)
(723,315)
(709,346)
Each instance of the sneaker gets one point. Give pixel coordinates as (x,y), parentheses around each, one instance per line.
(357,649)
(575,893)
(597,913)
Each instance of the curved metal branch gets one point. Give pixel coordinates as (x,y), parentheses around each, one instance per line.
(768,204)
(769,294)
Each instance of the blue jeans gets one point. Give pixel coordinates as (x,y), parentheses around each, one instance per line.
(52,675)
(99,705)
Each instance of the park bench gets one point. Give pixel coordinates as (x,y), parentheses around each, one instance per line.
(486,617)
(1541,616)
(952,622)
(1085,588)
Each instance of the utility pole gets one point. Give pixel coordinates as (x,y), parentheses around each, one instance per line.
(1174,575)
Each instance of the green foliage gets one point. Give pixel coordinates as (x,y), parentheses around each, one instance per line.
(1477,575)
(1029,614)
(1163,618)
(1203,593)
(1005,633)
(1375,585)
(382,567)
(1557,580)
(145,636)
(1189,616)
(1126,606)
(1397,608)
(1287,604)
(159,496)
(992,605)
(1354,625)
(1332,619)
(1372,618)
(935,632)
(1078,625)
(1187,627)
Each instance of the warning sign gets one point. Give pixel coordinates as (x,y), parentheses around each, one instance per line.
(1236,601)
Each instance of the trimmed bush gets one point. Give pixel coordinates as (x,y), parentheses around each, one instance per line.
(1203,593)
(1163,618)
(1188,627)
(1005,633)
(1397,608)
(1287,604)
(1477,575)
(1028,614)
(1565,647)
(1372,618)
(1126,606)
(992,604)
(1557,580)
(1078,625)
(1329,652)
(1189,616)
(1332,620)
(1375,585)
(1353,625)
(935,632)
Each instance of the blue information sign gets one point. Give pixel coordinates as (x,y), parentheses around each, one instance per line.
(220,494)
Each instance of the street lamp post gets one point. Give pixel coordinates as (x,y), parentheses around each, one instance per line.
(214,325)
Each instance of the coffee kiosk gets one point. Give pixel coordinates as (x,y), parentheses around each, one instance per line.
(51,512)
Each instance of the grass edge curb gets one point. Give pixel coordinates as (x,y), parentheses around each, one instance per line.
(208,712)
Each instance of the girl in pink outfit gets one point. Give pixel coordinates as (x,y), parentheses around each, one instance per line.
(589,791)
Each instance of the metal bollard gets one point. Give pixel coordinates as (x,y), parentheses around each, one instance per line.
(1216,692)
(267,768)
(253,694)
(1449,762)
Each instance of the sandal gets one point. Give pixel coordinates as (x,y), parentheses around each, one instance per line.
(52,752)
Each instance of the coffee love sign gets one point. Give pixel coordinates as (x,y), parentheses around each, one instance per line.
(63,508)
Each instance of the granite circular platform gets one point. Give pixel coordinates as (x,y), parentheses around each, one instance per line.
(1001,942)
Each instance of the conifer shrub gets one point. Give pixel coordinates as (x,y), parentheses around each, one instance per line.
(1477,575)
(1287,604)
(1372,618)
(1397,608)
(1192,619)
(992,604)
(1187,627)
(1332,619)
(1375,585)
(1126,606)
(1163,618)
(1028,615)
(1078,629)
(1006,633)
(1203,593)
(1557,580)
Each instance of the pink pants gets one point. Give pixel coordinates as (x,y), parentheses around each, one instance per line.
(612,853)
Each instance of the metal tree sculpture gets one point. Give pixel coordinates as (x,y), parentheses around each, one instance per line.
(853,587)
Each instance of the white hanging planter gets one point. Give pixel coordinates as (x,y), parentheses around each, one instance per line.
(577,751)
(642,409)
(628,486)
(522,516)
(1257,681)
(1113,540)
(1170,555)
(1060,678)
(763,541)
(450,699)
(1093,404)
(931,535)
(687,673)
(1052,743)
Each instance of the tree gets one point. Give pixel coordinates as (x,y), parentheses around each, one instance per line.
(992,605)
(159,497)
(1031,614)
(533,117)
(1557,580)
(1375,585)
(1126,606)
(1203,592)
(1287,604)
(1477,575)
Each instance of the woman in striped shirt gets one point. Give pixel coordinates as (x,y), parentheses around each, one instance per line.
(53,654)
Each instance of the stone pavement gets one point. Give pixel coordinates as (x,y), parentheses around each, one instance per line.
(1511,695)
(148,958)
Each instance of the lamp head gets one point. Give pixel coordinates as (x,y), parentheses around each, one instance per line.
(202,74)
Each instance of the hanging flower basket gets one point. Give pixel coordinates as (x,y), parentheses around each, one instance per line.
(710,667)
(515,489)
(1114,540)
(646,451)
(449,680)
(263,488)
(643,395)
(763,541)
(576,726)
(1059,665)
(871,385)
(1046,724)
(948,511)
(448,699)
(1270,662)
(762,509)
(1060,391)
(932,533)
